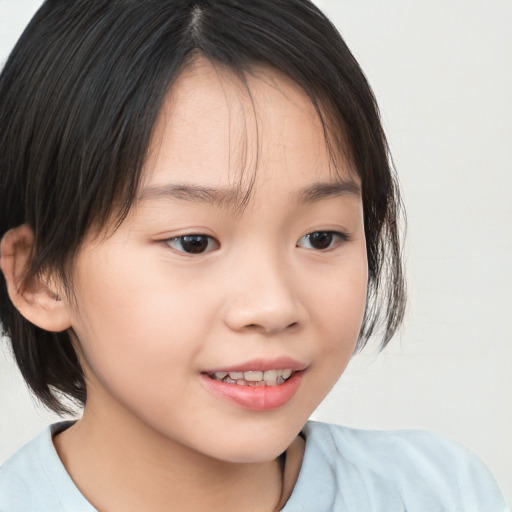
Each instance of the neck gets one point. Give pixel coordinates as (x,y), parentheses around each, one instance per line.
(118,464)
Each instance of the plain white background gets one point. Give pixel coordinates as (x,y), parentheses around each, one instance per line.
(442,73)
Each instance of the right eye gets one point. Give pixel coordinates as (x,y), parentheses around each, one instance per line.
(193,244)
(322,240)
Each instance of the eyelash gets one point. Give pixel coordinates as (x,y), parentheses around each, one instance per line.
(334,238)
(196,241)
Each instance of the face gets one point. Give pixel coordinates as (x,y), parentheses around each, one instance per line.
(215,324)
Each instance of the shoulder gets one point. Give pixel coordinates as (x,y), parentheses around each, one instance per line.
(393,449)
(35,479)
(411,470)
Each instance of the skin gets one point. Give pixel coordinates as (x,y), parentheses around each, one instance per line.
(150,318)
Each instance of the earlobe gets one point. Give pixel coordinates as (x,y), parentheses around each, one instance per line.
(35,300)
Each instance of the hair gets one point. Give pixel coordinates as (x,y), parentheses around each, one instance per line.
(79,98)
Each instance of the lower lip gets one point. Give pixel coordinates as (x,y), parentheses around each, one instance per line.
(255,398)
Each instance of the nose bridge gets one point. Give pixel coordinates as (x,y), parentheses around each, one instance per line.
(263,291)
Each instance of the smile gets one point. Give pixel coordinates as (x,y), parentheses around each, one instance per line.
(253,378)
(256,390)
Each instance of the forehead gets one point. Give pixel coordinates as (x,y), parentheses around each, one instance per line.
(244,131)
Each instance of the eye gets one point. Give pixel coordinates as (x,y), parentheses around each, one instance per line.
(193,244)
(322,240)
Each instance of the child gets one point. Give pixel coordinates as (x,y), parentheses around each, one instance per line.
(199,227)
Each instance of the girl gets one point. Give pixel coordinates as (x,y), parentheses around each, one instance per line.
(199,227)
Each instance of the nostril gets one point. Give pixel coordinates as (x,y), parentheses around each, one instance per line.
(258,327)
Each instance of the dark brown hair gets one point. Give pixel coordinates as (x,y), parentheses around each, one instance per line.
(79,98)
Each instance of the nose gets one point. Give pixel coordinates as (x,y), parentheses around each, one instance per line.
(264,297)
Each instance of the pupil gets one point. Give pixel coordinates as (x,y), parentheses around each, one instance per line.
(321,239)
(194,244)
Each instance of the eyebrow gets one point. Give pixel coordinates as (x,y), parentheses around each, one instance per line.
(194,193)
(231,196)
(326,190)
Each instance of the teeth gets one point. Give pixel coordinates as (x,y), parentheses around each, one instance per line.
(270,376)
(254,378)
(286,374)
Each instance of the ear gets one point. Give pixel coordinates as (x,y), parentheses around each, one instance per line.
(36,300)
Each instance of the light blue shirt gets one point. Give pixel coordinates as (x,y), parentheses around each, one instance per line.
(343,470)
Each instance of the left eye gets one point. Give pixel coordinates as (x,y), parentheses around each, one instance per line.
(193,244)
(322,240)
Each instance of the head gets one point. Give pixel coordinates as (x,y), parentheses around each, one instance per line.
(122,120)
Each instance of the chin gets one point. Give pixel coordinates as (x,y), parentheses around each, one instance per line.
(253,454)
(250,447)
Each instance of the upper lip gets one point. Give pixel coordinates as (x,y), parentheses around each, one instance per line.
(279,363)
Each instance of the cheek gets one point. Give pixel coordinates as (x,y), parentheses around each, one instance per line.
(143,325)
(340,298)
(340,302)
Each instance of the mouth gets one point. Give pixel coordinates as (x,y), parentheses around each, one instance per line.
(258,385)
(257,378)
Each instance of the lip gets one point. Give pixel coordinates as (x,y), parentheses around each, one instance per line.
(279,363)
(255,398)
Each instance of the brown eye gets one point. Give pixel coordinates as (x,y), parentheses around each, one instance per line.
(193,244)
(321,240)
